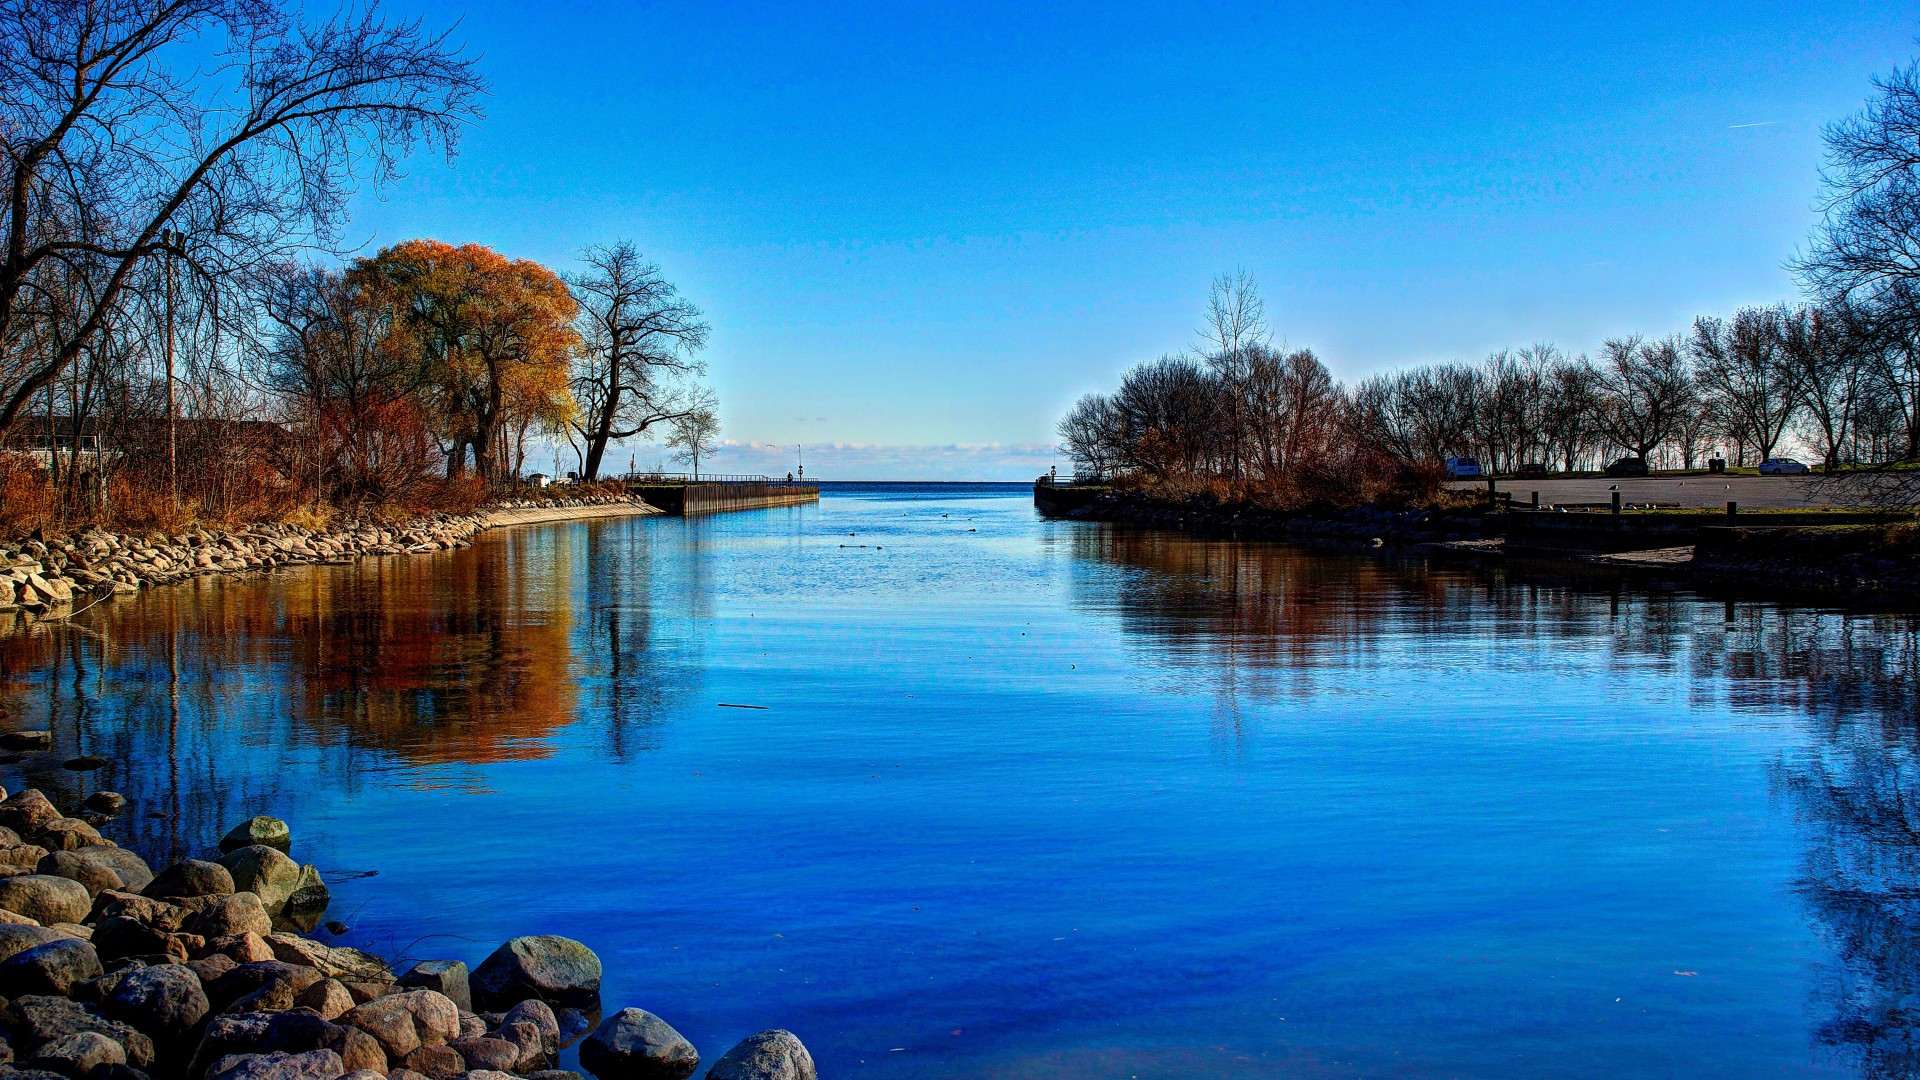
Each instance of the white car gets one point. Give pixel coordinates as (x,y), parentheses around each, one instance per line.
(1461,468)
(1782,466)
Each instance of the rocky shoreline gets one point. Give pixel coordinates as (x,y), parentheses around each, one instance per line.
(46,575)
(109,971)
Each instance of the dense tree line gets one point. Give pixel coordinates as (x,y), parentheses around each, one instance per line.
(169,346)
(1835,375)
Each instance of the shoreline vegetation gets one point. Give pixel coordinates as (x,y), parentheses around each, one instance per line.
(1244,419)
(110,971)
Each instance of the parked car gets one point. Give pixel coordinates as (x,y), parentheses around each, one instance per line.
(1783,466)
(1463,468)
(1532,468)
(1627,466)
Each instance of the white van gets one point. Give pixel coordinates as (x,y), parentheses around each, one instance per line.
(1463,468)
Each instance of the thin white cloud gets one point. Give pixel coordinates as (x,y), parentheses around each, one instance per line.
(1763,123)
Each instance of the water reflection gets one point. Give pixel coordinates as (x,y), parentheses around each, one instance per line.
(1261,619)
(222,696)
(1431,825)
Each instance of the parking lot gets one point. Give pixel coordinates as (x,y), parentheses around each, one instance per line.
(1707,492)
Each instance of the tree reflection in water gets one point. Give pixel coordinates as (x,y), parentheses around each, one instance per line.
(1262,620)
(229,696)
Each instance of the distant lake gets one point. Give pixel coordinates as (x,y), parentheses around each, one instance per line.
(1034,798)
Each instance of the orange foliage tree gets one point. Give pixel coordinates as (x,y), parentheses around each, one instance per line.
(493,337)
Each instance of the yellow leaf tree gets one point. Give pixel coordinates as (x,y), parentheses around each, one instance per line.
(493,337)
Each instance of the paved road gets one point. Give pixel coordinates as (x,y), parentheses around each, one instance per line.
(1751,492)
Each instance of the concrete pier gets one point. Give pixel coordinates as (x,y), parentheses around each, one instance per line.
(689,497)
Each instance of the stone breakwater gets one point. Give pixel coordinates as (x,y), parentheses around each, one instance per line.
(110,971)
(43,575)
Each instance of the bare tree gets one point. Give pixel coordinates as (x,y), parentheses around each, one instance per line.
(695,434)
(1093,436)
(1866,250)
(1236,325)
(223,132)
(1738,365)
(637,364)
(1645,387)
(1821,349)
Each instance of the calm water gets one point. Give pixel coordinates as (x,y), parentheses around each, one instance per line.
(1042,799)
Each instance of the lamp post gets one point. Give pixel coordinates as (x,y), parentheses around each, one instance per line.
(171,238)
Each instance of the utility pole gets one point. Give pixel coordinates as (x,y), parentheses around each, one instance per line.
(171,237)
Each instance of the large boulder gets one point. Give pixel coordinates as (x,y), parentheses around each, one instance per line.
(40,1020)
(540,1015)
(78,1054)
(162,1000)
(328,997)
(557,970)
(269,831)
(449,977)
(264,871)
(189,878)
(45,898)
(240,913)
(19,937)
(155,913)
(117,936)
(406,1021)
(132,868)
(488,1053)
(770,1055)
(437,1063)
(54,968)
(248,978)
(312,1065)
(96,876)
(68,834)
(634,1044)
(27,811)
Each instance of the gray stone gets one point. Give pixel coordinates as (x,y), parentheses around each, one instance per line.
(132,868)
(105,802)
(270,831)
(770,1055)
(486,1053)
(328,997)
(54,968)
(250,977)
(634,1044)
(437,1062)
(540,1015)
(240,913)
(42,1019)
(264,871)
(67,834)
(557,970)
(189,878)
(95,876)
(406,1021)
(449,977)
(78,1054)
(27,811)
(533,1049)
(45,898)
(162,1000)
(17,938)
(312,1065)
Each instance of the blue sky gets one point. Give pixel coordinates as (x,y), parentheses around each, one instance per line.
(921,232)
